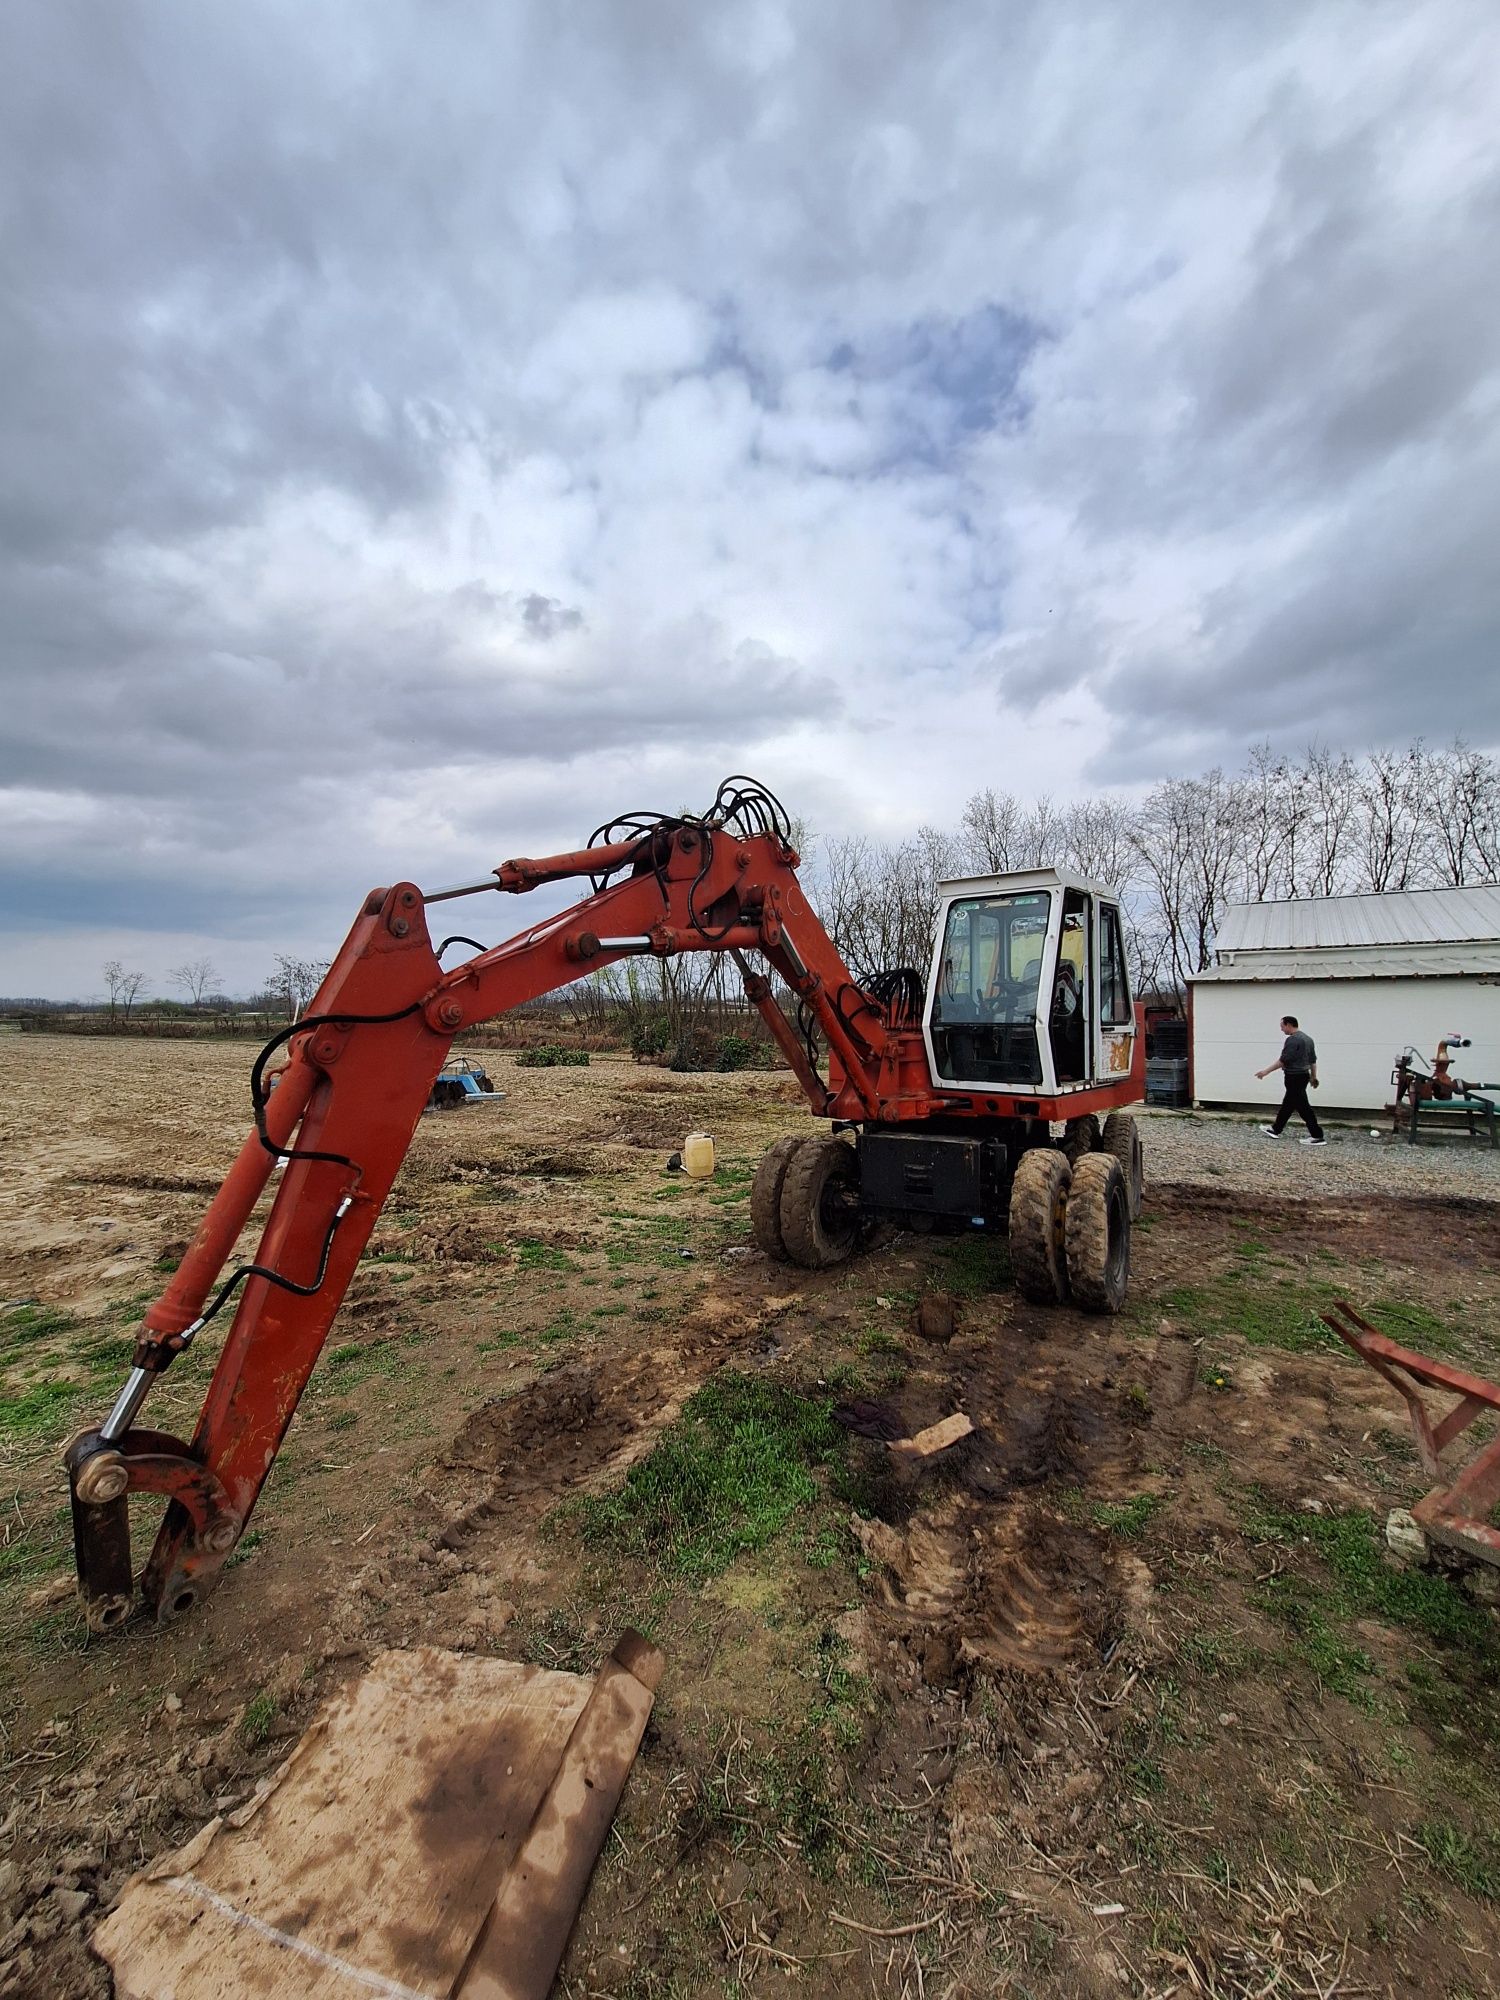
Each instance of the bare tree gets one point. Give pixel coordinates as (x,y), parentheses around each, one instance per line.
(1462,787)
(194,976)
(1189,836)
(124,987)
(991,832)
(1391,832)
(1096,836)
(295,981)
(1330,787)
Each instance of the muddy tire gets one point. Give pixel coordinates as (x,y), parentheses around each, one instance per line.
(1038,1212)
(1082,1136)
(765,1194)
(1097,1234)
(819,1207)
(1122,1138)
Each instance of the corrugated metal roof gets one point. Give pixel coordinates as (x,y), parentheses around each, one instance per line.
(1340,923)
(1474,961)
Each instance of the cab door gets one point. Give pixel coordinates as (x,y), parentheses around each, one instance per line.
(1115,1013)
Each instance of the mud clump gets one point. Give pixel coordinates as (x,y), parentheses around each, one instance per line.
(937,1318)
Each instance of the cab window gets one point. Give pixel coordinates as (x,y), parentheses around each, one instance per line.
(1114,989)
(984,1014)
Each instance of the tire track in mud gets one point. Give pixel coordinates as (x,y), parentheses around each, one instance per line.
(965,1587)
(989,1560)
(582,1426)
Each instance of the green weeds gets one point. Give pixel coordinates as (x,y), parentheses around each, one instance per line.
(723,1480)
(1132,1517)
(39,1412)
(258,1720)
(1278,1313)
(534,1255)
(1469,1866)
(978,1263)
(1360,1584)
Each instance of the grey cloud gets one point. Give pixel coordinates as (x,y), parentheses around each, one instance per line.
(346,454)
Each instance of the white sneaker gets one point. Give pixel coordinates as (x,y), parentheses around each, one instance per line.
(1271,1132)
(1315,1142)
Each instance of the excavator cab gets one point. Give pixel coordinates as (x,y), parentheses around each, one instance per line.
(1029,994)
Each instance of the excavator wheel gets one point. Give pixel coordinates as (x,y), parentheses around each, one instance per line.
(765,1194)
(1038,1209)
(1097,1234)
(1082,1136)
(819,1207)
(1122,1137)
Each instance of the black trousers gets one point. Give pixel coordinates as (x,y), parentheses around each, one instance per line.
(1296,1100)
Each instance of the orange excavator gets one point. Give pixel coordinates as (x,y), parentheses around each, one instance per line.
(971,1097)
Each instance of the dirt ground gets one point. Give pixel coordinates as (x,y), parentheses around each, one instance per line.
(1119,1696)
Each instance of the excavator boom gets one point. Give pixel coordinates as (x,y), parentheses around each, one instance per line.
(341,1117)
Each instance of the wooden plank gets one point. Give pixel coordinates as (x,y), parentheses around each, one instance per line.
(936,1437)
(517,1954)
(369,1865)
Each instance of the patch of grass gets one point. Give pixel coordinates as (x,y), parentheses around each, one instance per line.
(110,1355)
(1216,1655)
(27,1328)
(1471,1867)
(723,1480)
(249,1542)
(880,1340)
(257,1721)
(1352,1545)
(1132,1517)
(342,1420)
(1360,1584)
(1277,1312)
(843,1694)
(978,1263)
(38,1412)
(354,1361)
(1414,1326)
(535,1255)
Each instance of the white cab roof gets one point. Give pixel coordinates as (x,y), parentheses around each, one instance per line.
(1019,880)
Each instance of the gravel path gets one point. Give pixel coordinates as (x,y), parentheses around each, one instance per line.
(1222,1151)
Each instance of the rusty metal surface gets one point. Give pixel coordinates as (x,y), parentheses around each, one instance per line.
(101,1477)
(1454,1513)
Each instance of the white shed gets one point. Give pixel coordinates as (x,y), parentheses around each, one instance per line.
(1365,976)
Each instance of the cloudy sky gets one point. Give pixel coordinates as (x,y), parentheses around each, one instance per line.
(427,427)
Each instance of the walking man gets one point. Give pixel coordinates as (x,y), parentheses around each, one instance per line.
(1298,1063)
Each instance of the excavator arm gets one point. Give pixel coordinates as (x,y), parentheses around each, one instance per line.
(340,1118)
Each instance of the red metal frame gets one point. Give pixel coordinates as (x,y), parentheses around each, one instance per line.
(355,1086)
(1455,1514)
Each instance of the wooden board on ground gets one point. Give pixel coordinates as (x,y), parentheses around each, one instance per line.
(441,1800)
(936,1437)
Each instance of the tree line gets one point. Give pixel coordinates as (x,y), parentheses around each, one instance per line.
(1323,824)
(1326,823)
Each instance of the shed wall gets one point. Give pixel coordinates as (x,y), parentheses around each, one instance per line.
(1359,1026)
